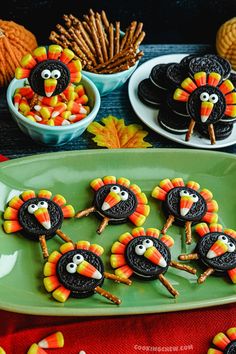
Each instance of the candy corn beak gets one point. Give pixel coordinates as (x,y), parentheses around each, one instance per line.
(43,217)
(217,249)
(206,109)
(186,203)
(111,199)
(49,86)
(155,257)
(88,270)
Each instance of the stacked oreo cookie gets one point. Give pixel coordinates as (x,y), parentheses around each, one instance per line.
(175,90)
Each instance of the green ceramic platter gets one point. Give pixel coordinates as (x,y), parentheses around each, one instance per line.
(69,173)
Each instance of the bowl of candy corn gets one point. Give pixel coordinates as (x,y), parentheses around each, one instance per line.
(53,120)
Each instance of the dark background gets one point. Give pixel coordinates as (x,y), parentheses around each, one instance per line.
(165,21)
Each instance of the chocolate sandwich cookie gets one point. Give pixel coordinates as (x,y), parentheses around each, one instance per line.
(199,64)
(37,216)
(77,271)
(177,107)
(222,130)
(69,274)
(158,75)
(185,204)
(202,95)
(175,74)
(116,201)
(150,94)
(29,215)
(49,69)
(172,122)
(216,250)
(184,63)
(145,254)
(140,264)
(223,62)
(232,78)
(118,212)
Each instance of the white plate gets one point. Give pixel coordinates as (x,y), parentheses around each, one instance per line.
(149,115)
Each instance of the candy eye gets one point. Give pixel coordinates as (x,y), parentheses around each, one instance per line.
(46,74)
(124,195)
(71,268)
(115,189)
(78,258)
(213,98)
(194,197)
(147,243)
(231,247)
(183,193)
(223,238)
(32,208)
(55,74)
(140,250)
(204,96)
(42,204)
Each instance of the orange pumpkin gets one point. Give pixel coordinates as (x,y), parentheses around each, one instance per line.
(15,42)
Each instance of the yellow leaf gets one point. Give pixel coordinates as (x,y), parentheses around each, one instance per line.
(115,134)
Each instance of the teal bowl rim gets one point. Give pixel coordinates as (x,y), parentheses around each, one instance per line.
(83,122)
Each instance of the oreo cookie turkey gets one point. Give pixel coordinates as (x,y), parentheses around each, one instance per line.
(185,204)
(209,96)
(37,217)
(216,251)
(77,271)
(144,254)
(116,201)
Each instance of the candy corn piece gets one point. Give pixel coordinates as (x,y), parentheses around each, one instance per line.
(55,340)
(54,51)
(75,66)
(35,349)
(186,203)
(16,100)
(231,98)
(226,87)
(21,73)
(166,184)
(155,257)
(61,294)
(59,108)
(231,333)
(83,99)
(61,121)
(232,275)
(206,109)
(43,217)
(159,193)
(11,226)
(230,111)
(124,272)
(200,78)
(28,61)
(181,95)
(49,86)
(111,199)
(88,270)
(188,85)
(40,53)
(49,101)
(2,351)
(221,341)
(46,112)
(217,249)
(77,117)
(67,55)
(80,90)
(213,79)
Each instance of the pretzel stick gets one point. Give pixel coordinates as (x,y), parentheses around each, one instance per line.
(105,20)
(102,39)
(204,275)
(168,285)
(188,257)
(81,55)
(139,39)
(86,37)
(117,38)
(85,212)
(107,295)
(184,267)
(96,44)
(111,41)
(168,223)
(43,244)
(75,34)
(137,32)
(118,62)
(68,21)
(132,28)
(63,31)
(55,38)
(190,130)
(99,18)
(117,278)
(86,27)
(103,224)
(112,60)
(212,134)
(117,69)
(123,41)
(188,232)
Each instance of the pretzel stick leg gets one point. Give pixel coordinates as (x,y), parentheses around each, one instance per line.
(85,212)
(168,223)
(204,275)
(190,130)
(188,257)
(43,244)
(168,285)
(117,279)
(103,224)
(211,134)
(107,295)
(184,267)
(188,232)
(63,236)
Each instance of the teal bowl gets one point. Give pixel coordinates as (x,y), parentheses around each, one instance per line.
(107,83)
(58,135)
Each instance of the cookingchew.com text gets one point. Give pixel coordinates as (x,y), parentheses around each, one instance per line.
(172,349)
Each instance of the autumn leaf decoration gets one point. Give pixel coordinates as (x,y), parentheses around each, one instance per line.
(114,134)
